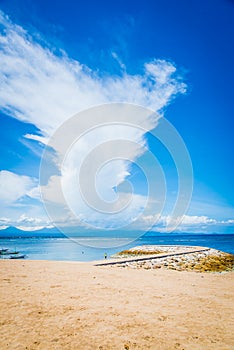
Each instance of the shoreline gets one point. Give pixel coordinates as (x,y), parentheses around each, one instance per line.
(66,249)
(175,257)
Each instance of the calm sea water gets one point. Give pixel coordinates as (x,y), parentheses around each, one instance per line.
(66,249)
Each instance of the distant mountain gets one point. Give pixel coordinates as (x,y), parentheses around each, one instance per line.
(13,232)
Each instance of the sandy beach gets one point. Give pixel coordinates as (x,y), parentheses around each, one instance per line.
(69,305)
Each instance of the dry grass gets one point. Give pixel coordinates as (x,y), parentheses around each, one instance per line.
(212,263)
(215,263)
(138,252)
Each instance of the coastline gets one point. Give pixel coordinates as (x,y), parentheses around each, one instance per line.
(64,249)
(77,305)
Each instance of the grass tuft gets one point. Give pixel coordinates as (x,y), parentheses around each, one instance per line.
(138,252)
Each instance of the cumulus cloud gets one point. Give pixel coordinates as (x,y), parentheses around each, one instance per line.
(13,186)
(45,89)
(24,222)
(197,220)
(188,223)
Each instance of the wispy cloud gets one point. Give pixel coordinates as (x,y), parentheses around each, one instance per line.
(119,61)
(45,89)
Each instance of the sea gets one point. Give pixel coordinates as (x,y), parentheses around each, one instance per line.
(65,249)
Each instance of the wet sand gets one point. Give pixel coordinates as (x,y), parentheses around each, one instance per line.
(69,305)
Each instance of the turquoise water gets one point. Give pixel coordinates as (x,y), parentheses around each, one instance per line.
(66,249)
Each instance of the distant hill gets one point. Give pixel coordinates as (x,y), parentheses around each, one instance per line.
(13,232)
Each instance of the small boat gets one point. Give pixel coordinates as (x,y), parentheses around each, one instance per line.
(7,252)
(22,256)
(3,250)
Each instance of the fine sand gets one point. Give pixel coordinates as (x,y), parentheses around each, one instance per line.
(60,305)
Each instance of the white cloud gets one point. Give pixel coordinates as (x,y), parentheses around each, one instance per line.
(230,221)
(13,186)
(197,220)
(38,138)
(45,89)
(25,222)
(188,223)
(161,72)
(118,60)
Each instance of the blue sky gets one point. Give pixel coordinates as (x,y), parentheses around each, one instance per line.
(112,41)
